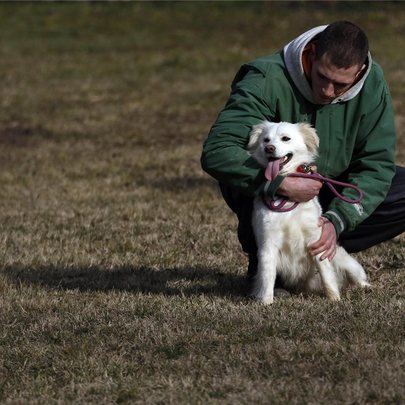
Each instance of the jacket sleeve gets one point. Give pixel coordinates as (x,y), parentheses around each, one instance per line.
(372,166)
(225,155)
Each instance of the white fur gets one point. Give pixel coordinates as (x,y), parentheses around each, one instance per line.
(282,237)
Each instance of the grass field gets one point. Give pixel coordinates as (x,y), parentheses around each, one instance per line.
(121,278)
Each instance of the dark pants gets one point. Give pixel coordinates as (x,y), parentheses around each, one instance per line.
(386,222)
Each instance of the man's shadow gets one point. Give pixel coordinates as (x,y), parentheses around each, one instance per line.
(182,281)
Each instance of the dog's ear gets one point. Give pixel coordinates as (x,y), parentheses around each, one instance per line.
(310,137)
(255,135)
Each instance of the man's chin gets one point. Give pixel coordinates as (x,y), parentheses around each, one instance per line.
(322,101)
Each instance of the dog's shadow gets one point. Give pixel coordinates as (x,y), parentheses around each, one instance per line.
(181,281)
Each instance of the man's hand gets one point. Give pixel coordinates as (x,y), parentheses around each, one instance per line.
(327,242)
(299,189)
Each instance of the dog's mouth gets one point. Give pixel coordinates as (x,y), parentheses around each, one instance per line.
(283,160)
(287,158)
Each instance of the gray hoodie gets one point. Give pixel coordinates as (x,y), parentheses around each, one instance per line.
(293,60)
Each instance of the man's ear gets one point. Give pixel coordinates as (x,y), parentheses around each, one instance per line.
(310,137)
(312,54)
(360,71)
(255,135)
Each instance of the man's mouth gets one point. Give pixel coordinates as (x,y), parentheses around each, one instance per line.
(325,100)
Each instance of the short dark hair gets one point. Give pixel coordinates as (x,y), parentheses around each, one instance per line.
(345,44)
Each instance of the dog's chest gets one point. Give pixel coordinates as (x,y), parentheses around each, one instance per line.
(288,234)
(303,219)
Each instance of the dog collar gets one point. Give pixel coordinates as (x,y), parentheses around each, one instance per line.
(306,168)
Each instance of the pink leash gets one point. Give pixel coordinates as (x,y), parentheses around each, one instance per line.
(272,171)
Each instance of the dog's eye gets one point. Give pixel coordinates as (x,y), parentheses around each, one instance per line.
(285,138)
(266,140)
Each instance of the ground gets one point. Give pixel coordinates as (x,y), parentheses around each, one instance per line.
(121,277)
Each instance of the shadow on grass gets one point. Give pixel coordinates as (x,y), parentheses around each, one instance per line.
(20,135)
(180,184)
(187,281)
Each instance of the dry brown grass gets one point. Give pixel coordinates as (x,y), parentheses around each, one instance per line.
(121,278)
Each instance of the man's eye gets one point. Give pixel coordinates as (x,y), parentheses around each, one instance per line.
(285,138)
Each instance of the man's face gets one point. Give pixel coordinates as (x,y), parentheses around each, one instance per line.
(329,81)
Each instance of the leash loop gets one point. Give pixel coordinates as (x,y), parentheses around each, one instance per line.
(330,183)
(273,169)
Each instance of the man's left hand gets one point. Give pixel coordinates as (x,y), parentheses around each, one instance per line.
(327,242)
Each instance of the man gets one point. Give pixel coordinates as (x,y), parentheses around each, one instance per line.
(325,77)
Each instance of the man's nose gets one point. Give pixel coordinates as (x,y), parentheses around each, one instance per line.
(270,148)
(329,90)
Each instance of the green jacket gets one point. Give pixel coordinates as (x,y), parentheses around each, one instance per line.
(357,135)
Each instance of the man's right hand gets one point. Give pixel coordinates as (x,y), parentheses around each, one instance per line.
(299,189)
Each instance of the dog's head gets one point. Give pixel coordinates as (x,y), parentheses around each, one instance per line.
(296,144)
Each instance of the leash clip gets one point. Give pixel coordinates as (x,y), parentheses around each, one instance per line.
(305,168)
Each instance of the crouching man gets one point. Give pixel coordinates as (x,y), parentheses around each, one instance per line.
(325,77)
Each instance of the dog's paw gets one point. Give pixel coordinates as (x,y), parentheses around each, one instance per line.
(266,300)
(335,298)
(365,285)
(332,295)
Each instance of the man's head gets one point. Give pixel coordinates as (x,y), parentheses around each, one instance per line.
(338,59)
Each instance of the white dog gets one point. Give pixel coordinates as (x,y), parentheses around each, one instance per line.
(282,237)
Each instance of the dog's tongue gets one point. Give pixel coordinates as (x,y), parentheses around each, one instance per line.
(272,169)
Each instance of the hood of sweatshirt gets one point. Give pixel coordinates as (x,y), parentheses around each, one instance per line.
(293,60)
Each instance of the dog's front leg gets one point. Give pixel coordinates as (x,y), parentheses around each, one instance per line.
(263,289)
(329,278)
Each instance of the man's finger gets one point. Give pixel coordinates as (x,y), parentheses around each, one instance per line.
(333,254)
(320,250)
(320,242)
(321,245)
(327,254)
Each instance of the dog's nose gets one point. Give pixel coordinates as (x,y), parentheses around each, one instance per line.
(270,148)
